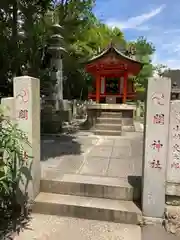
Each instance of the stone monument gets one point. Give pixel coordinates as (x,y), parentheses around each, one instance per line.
(155,146)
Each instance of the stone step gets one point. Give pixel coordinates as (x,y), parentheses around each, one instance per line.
(128,128)
(107,132)
(91,186)
(111,115)
(109,120)
(127,121)
(105,126)
(87,207)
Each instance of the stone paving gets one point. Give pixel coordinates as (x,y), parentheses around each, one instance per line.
(88,154)
(46,227)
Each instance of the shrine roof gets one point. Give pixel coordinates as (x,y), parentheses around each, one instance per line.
(111,49)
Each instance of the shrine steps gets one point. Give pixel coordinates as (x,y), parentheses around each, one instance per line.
(107,132)
(112,124)
(107,114)
(109,126)
(89,197)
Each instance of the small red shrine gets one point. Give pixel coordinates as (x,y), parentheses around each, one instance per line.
(111,70)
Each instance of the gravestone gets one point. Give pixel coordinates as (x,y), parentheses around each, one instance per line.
(155,146)
(27,112)
(173,165)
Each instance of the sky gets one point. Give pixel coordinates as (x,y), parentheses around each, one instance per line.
(157,20)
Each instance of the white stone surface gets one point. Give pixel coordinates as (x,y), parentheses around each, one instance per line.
(156,143)
(27,105)
(173,164)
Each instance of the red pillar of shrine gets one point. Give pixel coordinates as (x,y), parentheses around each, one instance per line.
(98,88)
(125,86)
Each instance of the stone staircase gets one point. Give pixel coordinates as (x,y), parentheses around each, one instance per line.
(113,124)
(89,197)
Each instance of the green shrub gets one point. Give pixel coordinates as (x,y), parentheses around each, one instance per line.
(13,166)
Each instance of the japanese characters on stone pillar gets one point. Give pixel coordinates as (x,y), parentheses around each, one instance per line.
(27,105)
(173,164)
(155,146)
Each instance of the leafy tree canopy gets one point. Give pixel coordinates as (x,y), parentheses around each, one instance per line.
(25,28)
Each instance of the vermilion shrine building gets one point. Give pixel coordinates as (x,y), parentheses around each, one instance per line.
(111,70)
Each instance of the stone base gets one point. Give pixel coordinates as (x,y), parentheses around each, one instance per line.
(172,220)
(109,114)
(111,107)
(51,121)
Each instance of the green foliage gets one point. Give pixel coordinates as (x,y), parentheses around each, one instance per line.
(14,169)
(25,32)
(161,69)
(144,51)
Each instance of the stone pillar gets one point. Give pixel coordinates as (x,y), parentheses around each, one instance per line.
(75,108)
(8,105)
(155,146)
(27,104)
(173,164)
(138,110)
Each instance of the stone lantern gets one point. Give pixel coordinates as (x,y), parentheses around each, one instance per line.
(56,51)
(52,113)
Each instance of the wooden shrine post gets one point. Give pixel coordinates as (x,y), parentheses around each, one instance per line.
(98,79)
(125,86)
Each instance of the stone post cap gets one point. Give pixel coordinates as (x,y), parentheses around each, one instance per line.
(25,77)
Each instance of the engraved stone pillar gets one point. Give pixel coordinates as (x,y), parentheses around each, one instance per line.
(173,164)
(155,146)
(27,104)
